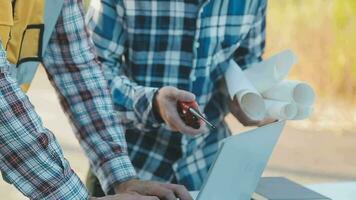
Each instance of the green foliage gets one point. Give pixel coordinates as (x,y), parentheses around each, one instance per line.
(344,13)
(323,34)
(345,36)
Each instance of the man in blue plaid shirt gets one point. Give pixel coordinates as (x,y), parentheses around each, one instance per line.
(155,52)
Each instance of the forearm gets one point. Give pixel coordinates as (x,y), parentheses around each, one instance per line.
(134,103)
(31,158)
(77,77)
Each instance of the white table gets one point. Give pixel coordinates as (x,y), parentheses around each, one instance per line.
(335,191)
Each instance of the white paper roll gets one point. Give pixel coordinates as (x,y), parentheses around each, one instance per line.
(291,91)
(251,102)
(264,75)
(236,80)
(281,109)
(303,112)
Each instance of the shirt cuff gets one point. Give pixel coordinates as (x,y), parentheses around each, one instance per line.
(3,59)
(71,188)
(115,171)
(143,107)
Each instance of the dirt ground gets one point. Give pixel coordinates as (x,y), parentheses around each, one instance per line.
(304,155)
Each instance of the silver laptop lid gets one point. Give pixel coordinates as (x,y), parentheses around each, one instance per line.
(240,164)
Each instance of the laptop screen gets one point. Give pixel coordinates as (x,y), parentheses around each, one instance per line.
(240,164)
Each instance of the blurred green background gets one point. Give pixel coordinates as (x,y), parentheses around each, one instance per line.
(323,34)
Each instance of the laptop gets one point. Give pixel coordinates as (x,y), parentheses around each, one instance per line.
(239,164)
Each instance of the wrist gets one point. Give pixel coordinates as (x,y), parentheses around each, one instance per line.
(116,170)
(155,108)
(123,186)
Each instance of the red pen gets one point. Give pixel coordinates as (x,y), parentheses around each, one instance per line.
(189,112)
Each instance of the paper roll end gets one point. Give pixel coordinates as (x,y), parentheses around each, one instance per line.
(303,94)
(253,106)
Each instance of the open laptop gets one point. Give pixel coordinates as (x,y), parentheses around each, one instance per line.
(240,163)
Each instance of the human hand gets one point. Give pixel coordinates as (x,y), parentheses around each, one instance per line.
(125,196)
(237,112)
(164,191)
(166,105)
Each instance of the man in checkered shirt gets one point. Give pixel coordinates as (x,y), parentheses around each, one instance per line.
(155,52)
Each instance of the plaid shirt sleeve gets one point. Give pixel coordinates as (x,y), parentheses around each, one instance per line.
(253,46)
(76,74)
(31,158)
(133,102)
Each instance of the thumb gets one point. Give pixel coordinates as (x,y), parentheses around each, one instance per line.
(183,95)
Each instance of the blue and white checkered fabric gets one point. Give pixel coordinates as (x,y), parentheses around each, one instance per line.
(147,44)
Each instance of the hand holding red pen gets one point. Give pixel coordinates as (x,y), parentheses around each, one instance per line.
(189,112)
(166,101)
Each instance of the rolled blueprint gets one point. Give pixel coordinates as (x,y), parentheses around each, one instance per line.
(303,112)
(250,101)
(281,109)
(291,91)
(264,75)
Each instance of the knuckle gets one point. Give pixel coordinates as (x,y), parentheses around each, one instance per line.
(168,194)
(182,187)
(170,89)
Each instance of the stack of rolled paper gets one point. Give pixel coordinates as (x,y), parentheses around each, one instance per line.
(262,91)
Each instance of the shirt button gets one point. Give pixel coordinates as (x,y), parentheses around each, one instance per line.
(196,44)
